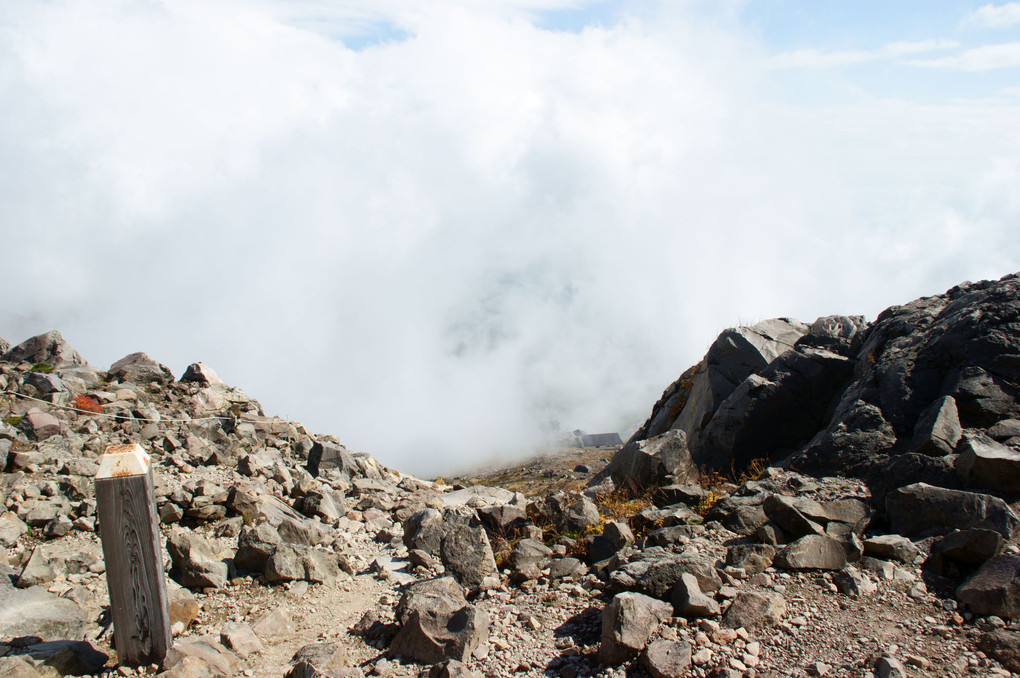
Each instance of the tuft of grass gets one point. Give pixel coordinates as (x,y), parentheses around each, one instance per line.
(622,503)
(754,470)
(706,504)
(13,420)
(502,547)
(45,368)
(715,481)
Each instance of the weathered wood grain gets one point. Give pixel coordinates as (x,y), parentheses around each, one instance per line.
(129,529)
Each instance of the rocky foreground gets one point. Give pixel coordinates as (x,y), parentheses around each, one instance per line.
(290,555)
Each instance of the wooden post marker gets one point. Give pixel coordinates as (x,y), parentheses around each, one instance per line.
(129,530)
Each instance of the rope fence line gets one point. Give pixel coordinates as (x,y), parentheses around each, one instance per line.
(113,416)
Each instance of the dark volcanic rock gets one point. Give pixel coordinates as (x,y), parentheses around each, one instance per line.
(986,464)
(874,401)
(938,428)
(775,411)
(1004,646)
(921,509)
(969,548)
(653,462)
(994,589)
(819,552)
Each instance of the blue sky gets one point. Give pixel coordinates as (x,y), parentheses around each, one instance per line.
(428,228)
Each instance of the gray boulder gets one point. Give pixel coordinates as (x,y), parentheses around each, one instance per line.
(963,548)
(852,582)
(667,658)
(195,562)
(325,657)
(44,383)
(290,562)
(139,368)
(293,527)
(240,639)
(467,555)
(37,612)
(627,623)
(658,461)
(987,464)
(322,503)
(888,666)
(204,656)
(938,429)
(503,519)
(41,425)
(437,623)
(327,456)
(734,356)
(921,509)
(425,529)
(786,513)
(752,558)
(618,534)
(655,571)
(891,547)
(11,529)
(851,443)
(994,589)
(579,516)
(255,545)
(819,552)
(752,610)
(775,411)
(690,495)
(983,397)
(60,558)
(1005,429)
(202,374)
(689,601)
(528,558)
(1003,645)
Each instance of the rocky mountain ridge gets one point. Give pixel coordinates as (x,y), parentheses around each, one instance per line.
(290,555)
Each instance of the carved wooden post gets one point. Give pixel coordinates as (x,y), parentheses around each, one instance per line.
(129,529)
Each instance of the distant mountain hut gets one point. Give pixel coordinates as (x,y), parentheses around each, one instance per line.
(595,440)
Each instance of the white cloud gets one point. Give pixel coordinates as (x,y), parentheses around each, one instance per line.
(984,58)
(994,16)
(811,58)
(429,246)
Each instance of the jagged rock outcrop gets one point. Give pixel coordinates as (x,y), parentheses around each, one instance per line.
(737,353)
(886,401)
(50,348)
